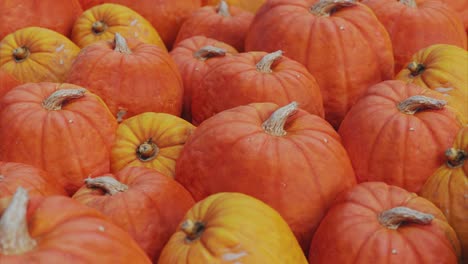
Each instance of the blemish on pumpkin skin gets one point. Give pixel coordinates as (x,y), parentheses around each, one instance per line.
(134,22)
(70,121)
(234,256)
(60,48)
(394,251)
(2,177)
(101,228)
(412,129)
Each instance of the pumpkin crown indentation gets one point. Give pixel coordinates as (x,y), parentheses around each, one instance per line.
(415,68)
(21,54)
(99,27)
(193,230)
(455,157)
(147,151)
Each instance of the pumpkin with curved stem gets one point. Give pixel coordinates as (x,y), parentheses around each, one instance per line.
(7,82)
(393,134)
(152,140)
(249,5)
(378,223)
(60,128)
(36,54)
(101,22)
(255,77)
(232,228)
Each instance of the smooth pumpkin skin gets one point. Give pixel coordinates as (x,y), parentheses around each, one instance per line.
(149,210)
(117,19)
(50,59)
(192,69)
(445,71)
(351,231)
(461,7)
(235,80)
(249,5)
(400,149)
(447,187)
(169,133)
(71,144)
(58,16)
(7,82)
(298,174)
(346,52)
(238,229)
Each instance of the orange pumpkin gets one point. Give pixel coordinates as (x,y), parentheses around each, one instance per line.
(36,54)
(249,5)
(232,228)
(7,82)
(461,7)
(378,223)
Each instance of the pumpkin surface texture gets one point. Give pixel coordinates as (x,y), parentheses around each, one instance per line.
(7,82)
(249,5)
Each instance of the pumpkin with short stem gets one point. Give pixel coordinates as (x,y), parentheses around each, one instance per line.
(34,180)
(397,133)
(249,5)
(152,140)
(252,77)
(288,158)
(131,77)
(143,202)
(341,43)
(232,228)
(58,229)
(7,82)
(222,22)
(60,128)
(379,223)
(101,22)
(443,68)
(37,54)
(448,186)
(193,57)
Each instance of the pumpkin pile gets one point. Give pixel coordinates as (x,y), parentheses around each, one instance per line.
(234,131)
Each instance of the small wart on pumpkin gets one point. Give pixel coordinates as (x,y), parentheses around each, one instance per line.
(394,251)
(234,256)
(101,228)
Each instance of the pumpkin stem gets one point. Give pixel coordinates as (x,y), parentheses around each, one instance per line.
(192,230)
(418,103)
(120,114)
(14,234)
(455,157)
(223,9)
(208,52)
(109,184)
(409,3)
(397,216)
(415,68)
(121,44)
(57,99)
(147,151)
(21,53)
(328,7)
(99,27)
(275,124)
(264,65)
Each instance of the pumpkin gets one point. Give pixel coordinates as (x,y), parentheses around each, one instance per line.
(58,16)
(447,187)
(341,43)
(131,77)
(101,22)
(421,23)
(58,229)
(36,54)
(461,7)
(193,57)
(7,82)
(145,203)
(152,140)
(442,68)
(34,180)
(379,223)
(232,228)
(249,5)
(60,128)
(393,134)
(286,157)
(225,23)
(255,77)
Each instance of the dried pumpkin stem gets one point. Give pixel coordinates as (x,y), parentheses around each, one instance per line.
(455,157)
(192,230)
(264,65)
(109,184)
(275,124)
(20,54)
(147,151)
(409,3)
(415,68)
(99,27)
(223,9)
(208,52)
(121,44)
(418,103)
(397,216)
(57,99)
(327,7)
(14,234)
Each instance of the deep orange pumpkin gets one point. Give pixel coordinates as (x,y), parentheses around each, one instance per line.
(7,82)
(461,7)
(249,5)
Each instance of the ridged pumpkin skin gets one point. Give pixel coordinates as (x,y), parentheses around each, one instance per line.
(151,140)
(149,208)
(34,180)
(232,228)
(387,144)
(58,16)
(238,80)
(298,174)
(101,22)
(249,5)
(64,231)
(131,77)
(448,186)
(346,51)
(442,68)
(36,54)
(461,7)
(7,82)
(71,142)
(352,230)
(413,28)
(193,63)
